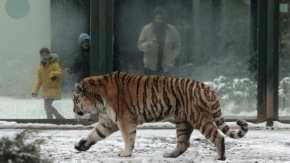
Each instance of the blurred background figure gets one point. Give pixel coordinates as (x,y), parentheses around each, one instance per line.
(160,43)
(81,64)
(49,77)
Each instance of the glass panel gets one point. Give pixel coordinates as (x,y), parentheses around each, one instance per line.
(27,26)
(284,85)
(216,46)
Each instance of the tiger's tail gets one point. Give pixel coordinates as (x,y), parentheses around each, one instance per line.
(221,124)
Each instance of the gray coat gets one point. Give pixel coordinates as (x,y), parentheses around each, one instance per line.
(171,50)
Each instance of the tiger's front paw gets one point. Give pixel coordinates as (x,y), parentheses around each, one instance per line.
(218,157)
(171,154)
(83,145)
(125,154)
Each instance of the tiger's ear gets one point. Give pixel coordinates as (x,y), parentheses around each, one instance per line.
(78,88)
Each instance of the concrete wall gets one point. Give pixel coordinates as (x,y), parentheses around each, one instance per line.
(23,33)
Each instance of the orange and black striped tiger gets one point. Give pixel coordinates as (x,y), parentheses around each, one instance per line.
(125,101)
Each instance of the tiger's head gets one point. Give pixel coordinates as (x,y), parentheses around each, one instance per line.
(89,97)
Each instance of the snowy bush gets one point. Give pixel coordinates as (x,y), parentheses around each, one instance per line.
(284,93)
(19,150)
(239,95)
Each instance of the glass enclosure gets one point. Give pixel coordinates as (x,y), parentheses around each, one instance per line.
(216,38)
(284,59)
(27,26)
(218,47)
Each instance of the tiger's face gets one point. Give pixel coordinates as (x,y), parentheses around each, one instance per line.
(82,104)
(86,102)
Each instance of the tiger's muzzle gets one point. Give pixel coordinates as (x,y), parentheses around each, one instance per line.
(80,112)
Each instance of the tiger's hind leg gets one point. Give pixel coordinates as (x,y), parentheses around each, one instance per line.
(183,133)
(210,131)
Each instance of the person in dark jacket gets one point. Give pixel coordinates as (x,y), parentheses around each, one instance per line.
(81,64)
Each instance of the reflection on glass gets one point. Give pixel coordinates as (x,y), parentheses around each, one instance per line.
(215,38)
(216,46)
(27,26)
(284,75)
(160,43)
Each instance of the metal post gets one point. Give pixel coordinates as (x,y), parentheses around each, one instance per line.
(101,57)
(272,61)
(254,24)
(196,34)
(109,36)
(105,53)
(268,56)
(94,52)
(102,36)
(262,60)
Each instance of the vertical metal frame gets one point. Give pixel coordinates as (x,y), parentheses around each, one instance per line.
(272,61)
(101,54)
(262,59)
(101,36)
(268,55)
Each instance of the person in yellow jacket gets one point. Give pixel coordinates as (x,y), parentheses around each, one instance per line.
(49,77)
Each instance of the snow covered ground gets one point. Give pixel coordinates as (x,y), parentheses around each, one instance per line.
(260,145)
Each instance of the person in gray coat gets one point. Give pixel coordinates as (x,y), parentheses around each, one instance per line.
(160,43)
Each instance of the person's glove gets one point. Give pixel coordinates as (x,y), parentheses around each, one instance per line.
(33,95)
(53,78)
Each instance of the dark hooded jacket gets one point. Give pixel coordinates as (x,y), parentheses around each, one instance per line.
(81,64)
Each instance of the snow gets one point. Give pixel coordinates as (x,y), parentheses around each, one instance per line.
(261,145)
(33,108)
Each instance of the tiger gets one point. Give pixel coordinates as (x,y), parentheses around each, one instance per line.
(125,101)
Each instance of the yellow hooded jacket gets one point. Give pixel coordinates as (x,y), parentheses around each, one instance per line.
(46,72)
